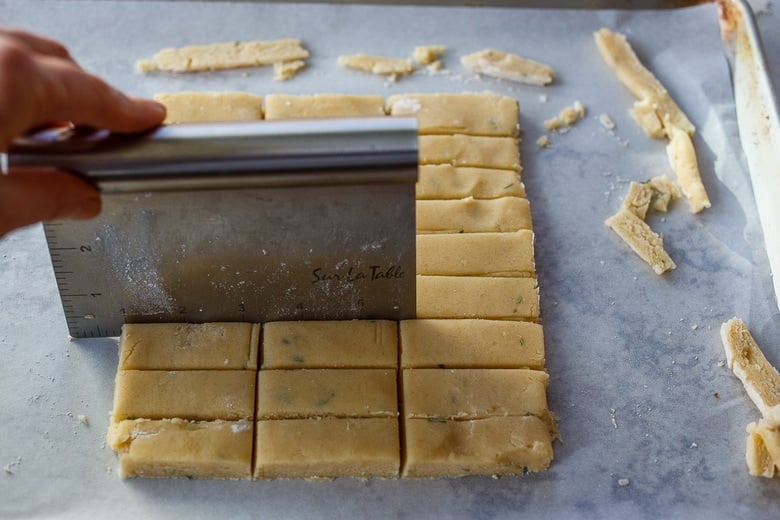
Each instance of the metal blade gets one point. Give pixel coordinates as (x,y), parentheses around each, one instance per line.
(758,120)
(329,243)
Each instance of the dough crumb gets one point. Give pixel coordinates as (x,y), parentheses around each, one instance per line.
(543,98)
(284,70)
(606,121)
(623,482)
(543,141)
(567,117)
(511,67)
(393,68)
(428,54)
(83,419)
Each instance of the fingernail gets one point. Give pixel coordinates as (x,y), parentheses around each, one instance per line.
(87,208)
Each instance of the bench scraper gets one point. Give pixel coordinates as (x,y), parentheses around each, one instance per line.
(246,221)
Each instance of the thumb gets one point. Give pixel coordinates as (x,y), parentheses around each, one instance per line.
(28,196)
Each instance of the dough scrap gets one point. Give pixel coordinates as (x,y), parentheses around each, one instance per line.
(653,98)
(379,65)
(566,118)
(476,254)
(477,297)
(282,106)
(445,181)
(682,157)
(763,449)
(471,343)
(638,199)
(760,379)
(427,54)
(219,56)
(285,70)
(473,215)
(511,67)
(643,240)
(191,107)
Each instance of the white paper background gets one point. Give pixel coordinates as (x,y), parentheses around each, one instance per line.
(634,358)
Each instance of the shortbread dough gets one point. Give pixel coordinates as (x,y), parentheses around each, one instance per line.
(471,344)
(477,297)
(284,70)
(763,448)
(638,199)
(229,55)
(299,394)
(682,157)
(191,107)
(444,181)
(282,106)
(427,54)
(473,215)
(310,448)
(474,393)
(330,344)
(643,240)
(476,254)
(177,346)
(511,67)
(493,446)
(760,379)
(485,114)
(178,448)
(653,98)
(380,65)
(201,395)
(470,150)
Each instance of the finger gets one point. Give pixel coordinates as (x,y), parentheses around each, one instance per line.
(75,95)
(30,196)
(36,43)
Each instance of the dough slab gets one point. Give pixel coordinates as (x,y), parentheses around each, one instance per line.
(281,106)
(191,107)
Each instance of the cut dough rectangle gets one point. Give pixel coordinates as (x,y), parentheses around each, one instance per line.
(281,106)
(191,107)
(444,181)
(471,344)
(178,346)
(298,394)
(643,240)
(474,393)
(494,446)
(477,297)
(476,254)
(201,395)
(468,113)
(470,150)
(473,215)
(330,344)
(306,448)
(229,55)
(178,448)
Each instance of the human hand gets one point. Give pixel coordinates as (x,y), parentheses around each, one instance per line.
(40,83)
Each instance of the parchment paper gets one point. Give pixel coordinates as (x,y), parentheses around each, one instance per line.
(638,380)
